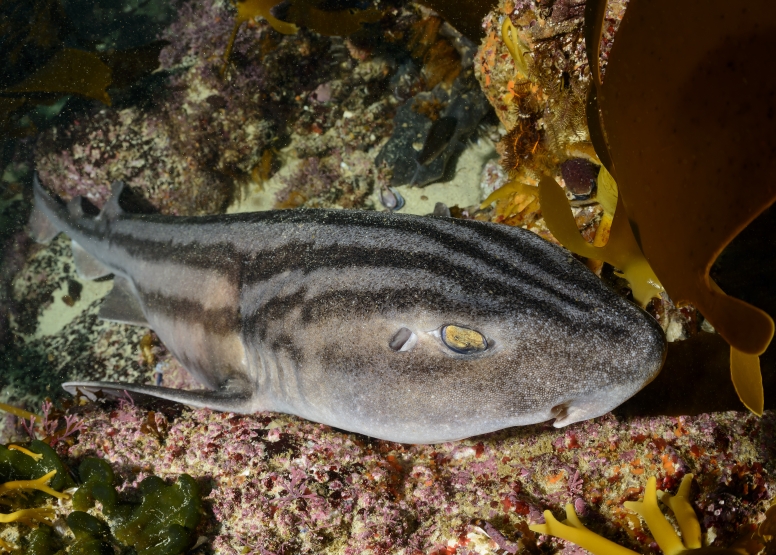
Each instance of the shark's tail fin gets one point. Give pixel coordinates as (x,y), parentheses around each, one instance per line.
(50,216)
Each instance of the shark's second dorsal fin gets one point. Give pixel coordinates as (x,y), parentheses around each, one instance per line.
(112,209)
(233,398)
(121,305)
(42,229)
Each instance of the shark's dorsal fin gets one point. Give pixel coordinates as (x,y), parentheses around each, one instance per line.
(86,265)
(75,208)
(232,398)
(121,305)
(112,210)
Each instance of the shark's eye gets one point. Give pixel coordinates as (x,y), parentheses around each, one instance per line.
(403,340)
(463,340)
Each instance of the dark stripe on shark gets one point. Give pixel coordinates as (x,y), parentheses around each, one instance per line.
(208,256)
(221,321)
(347,304)
(304,257)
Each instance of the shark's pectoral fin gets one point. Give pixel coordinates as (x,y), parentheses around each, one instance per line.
(121,305)
(233,397)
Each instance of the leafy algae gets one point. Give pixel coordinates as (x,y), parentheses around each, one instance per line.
(162,523)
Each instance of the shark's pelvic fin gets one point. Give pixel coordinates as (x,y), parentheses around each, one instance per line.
(121,305)
(86,265)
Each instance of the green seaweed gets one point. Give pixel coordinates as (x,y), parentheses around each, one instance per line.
(92,535)
(163,523)
(41,541)
(16,465)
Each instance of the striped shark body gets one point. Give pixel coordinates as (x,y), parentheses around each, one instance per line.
(406,328)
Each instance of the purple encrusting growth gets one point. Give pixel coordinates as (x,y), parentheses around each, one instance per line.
(84,158)
(183,152)
(276,483)
(228,120)
(335,181)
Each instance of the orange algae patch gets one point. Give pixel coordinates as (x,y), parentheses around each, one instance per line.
(556,478)
(303,13)
(440,60)
(701,166)
(668,465)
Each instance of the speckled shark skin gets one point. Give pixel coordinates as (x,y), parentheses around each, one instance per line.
(299,312)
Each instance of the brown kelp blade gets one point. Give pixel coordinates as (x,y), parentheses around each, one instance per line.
(686,122)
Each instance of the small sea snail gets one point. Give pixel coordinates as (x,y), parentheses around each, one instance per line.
(463,340)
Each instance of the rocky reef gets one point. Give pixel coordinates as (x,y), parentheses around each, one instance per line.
(274,483)
(359,121)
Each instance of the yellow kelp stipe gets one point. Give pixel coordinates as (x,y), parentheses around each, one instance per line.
(684,513)
(27,452)
(517,48)
(661,529)
(40,484)
(574,531)
(5,546)
(514,187)
(664,534)
(248,10)
(748,380)
(29,516)
(21,413)
(621,251)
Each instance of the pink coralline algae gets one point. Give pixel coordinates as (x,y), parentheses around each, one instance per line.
(183,151)
(86,157)
(279,484)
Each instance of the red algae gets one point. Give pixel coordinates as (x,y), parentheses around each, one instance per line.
(277,483)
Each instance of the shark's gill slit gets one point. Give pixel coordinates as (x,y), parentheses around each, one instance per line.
(403,340)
